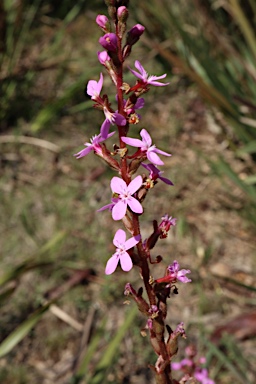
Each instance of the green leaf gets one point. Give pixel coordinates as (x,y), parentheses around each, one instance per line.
(22,330)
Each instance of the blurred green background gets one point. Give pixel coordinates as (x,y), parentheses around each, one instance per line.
(62,319)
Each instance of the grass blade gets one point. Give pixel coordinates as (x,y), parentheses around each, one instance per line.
(22,330)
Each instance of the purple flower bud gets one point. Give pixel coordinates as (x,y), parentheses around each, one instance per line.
(101,20)
(109,42)
(137,30)
(103,57)
(134,34)
(103,23)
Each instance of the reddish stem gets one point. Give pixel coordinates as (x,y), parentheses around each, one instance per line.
(158,326)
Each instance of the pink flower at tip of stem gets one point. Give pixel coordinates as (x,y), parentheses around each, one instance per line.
(145,78)
(146,146)
(122,245)
(125,193)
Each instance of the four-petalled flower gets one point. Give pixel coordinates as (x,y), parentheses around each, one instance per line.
(146,146)
(125,197)
(93,89)
(121,254)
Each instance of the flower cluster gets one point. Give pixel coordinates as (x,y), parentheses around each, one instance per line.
(129,191)
(193,367)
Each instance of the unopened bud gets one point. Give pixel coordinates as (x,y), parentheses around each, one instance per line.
(103,23)
(103,57)
(122,14)
(134,34)
(109,42)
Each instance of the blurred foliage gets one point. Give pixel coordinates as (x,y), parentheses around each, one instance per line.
(21,61)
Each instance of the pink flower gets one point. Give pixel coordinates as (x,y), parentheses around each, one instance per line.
(125,193)
(145,78)
(155,173)
(165,225)
(94,145)
(173,274)
(202,376)
(146,146)
(94,88)
(176,274)
(122,245)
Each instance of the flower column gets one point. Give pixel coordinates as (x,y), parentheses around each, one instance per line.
(128,193)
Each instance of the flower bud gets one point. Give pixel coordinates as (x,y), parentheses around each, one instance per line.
(103,23)
(134,34)
(172,343)
(109,42)
(103,57)
(122,14)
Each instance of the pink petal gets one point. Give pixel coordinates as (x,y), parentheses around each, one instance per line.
(132,142)
(165,180)
(132,242)
(154,158)
(104,129)
(158,84)
(153,78)
(108,206)
(119,119)
(111,264)
(94,87)
(161,152)
(118,185)
(146,138)
(119,210)
(83,152)
(119,237)
(100,83)
(135,205)
(135,73)
(140,68)
(126,262)
(135,184)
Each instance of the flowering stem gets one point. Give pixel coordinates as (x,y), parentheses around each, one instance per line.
(127,192)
